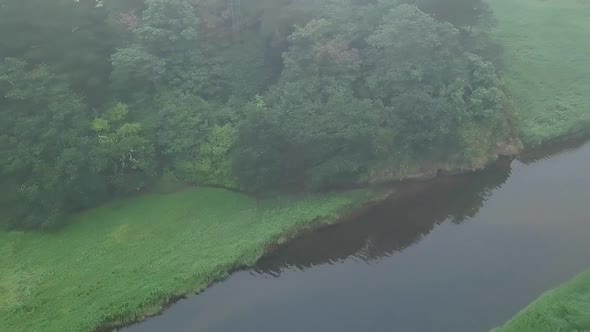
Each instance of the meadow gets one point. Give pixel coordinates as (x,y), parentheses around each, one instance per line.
(547,71)
(566,308)
(125,260)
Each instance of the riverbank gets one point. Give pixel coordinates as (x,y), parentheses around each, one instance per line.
(548,77)
(127,260)
(547,74)
(566,308)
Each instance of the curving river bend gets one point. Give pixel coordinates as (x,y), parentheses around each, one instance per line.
(460,253)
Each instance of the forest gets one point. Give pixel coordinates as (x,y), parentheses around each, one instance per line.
(101,99)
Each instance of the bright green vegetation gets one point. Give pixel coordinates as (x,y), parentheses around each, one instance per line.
(548,76)
(260,95)
(546,45)
(564,309)
(121,261)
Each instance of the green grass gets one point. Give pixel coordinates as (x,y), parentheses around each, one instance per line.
(548,75)
(122,261)
(566,308)
(547,48)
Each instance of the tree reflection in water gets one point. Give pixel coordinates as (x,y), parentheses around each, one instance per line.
(393,225)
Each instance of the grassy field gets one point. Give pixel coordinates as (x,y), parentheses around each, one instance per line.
(122,261)
(547,48)
(566,308)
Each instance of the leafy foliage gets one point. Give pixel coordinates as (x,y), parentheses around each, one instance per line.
(75,38)
(194,140)
(44,144)
(258,95)
(347,85)
(126,155)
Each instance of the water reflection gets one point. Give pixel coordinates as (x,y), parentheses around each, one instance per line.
(393,225)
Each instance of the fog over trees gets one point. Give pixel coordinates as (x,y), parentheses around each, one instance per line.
(104,99)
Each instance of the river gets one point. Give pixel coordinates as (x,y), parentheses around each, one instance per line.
(461,253)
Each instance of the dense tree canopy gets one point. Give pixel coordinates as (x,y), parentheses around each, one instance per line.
(100,98)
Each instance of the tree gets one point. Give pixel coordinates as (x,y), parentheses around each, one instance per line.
(75,38)
(418,66)
(306,134)
(126,155)
(47,151)
(410,51)
(310,129)
(137,73)
(194,139)
(99,98)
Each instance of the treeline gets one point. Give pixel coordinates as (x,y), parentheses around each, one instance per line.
(106,98)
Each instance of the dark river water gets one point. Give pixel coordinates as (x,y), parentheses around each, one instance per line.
(456,254)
